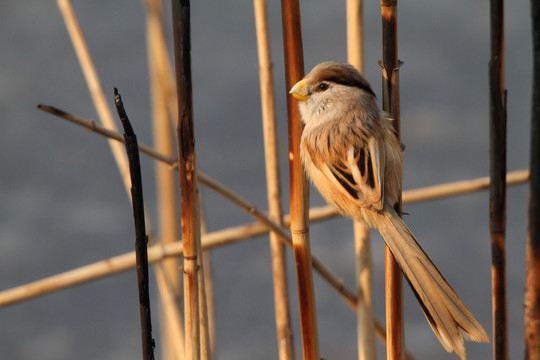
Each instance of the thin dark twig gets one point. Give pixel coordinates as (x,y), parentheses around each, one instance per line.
(141,239)
(532,280)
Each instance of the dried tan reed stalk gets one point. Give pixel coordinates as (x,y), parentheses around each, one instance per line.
(460,187)
(121,263)
(366,322)
(94,85)
(355,34)
(364,312)
(204,327)
(166,183)
(275,212)
(172,322)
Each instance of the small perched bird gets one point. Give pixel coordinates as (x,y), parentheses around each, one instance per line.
(350,151)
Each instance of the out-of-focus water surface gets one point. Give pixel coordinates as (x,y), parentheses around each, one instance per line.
(63,204)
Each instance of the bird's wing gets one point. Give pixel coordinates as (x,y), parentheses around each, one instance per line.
(360,173)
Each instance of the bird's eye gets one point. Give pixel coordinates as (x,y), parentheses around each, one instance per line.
(322,87)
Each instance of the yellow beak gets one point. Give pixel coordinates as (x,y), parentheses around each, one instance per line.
(299,91)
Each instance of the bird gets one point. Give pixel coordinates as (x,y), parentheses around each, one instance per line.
(351,153)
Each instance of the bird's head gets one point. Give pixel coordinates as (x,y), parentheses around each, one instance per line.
(330,89)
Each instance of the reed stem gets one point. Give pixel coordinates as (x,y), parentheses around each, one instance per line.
(166,183)
(281,294)
(497,189)
(188,175)
(298,189)
(362,243)
(532,278)
(395,336)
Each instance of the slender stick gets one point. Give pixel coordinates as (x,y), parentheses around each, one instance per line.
(281,295)
(394,282)
(298,189)
(365,316)
(223,237)
(205,343)
(460,187)
(355,34)
(362,245)
(141,239)
(173,321)
(208,300)
(166,186)
(497,189)
(532,279)
(121,263)
(111,134)
(187,168)
(94,85)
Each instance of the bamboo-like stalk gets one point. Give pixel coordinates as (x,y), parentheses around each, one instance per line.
(174,333)
(166,185)
(187,168)
(460,187)
(218,238)
(395,336)
(120,263)
(364,313)
(281,294)
(208,319)
(532,278)
(298,189)
(497,189)
(94,85)
(355,34)
(366,322)
(205,341)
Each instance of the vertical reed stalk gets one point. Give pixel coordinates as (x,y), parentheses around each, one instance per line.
(281,302)
(206,296)
(497,187)
(206,346)
(188,175)
(165,177)
(364,312)
(208,301)
(355,34)
(532,279)
(298,189)
(395,337)
(171,318)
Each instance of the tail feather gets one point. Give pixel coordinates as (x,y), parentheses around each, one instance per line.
(443,308)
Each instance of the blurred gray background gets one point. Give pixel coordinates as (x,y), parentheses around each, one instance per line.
(62,204)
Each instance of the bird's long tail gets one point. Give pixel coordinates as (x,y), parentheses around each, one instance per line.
(443,308)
